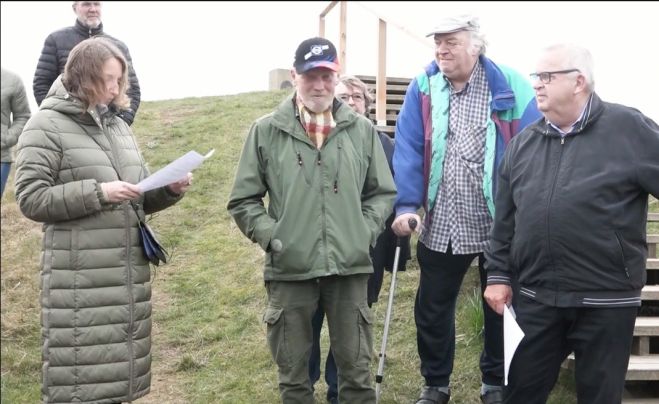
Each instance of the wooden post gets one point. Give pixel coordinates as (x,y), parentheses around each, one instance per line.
(343,35)
(381,78)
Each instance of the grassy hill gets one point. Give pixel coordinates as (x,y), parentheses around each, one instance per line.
(209,343)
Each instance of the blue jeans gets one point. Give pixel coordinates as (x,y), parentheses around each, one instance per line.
(6,167)
(331,377)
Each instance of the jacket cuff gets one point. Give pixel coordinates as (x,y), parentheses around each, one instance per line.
(263,232)
(498,278)
(405,209)
(102,196)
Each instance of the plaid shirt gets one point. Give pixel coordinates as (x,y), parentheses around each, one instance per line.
(460,215)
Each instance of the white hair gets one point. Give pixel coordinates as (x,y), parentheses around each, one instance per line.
(577,57)
(478,41)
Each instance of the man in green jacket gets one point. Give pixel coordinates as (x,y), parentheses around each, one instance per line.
(330,191)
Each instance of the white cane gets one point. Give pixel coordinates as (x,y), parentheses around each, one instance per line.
(387,319)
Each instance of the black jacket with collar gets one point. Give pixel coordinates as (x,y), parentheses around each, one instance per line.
(571,211)
(56,51)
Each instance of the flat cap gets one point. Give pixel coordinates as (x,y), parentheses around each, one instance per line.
(447,25)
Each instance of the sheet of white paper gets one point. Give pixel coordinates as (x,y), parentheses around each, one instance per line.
(512,336)
(174,171)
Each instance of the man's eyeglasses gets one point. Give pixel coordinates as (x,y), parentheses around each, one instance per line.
(545,77)
(356,97)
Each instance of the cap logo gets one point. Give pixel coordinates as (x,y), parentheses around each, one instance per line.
(315,51)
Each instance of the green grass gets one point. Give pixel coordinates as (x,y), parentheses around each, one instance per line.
(210,344)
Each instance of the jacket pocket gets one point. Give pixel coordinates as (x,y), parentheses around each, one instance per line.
(622,254)
(365,335)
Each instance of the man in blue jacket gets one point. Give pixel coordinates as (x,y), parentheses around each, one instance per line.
(456,120)
(571,217)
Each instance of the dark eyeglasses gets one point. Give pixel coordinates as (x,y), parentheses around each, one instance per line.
(356,97)
(545,77)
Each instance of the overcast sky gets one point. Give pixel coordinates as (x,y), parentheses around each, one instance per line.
(183,49)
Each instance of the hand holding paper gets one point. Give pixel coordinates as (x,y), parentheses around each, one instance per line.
(181,186)
(174,172)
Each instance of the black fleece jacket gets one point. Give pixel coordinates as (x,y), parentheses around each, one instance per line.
(56,51)
(571,212)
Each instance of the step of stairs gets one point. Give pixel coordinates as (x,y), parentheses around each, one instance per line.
(650,292)
(640,367)
(647,326)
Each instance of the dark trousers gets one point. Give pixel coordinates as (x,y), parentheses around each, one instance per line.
(434,314)
(600,338)
(331,377)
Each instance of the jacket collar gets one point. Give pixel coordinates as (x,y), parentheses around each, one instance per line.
(593,109)
(503,97)
(86,31)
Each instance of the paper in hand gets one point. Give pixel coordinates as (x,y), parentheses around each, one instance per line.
(174,171)
(512,336)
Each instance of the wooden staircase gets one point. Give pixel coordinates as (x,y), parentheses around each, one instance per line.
(644,361)
(396,88)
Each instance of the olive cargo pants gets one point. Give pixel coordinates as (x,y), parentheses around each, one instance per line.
(291,307)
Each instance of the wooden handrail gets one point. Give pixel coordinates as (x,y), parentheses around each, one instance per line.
(381,76)
(321,23)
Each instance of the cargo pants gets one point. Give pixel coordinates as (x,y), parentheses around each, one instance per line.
(291,307)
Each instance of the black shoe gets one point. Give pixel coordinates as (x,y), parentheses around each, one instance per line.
(432,395)
(492,397)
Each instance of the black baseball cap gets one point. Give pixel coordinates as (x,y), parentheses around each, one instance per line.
(316,52)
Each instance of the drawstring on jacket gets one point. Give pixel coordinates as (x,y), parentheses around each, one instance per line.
(335,185)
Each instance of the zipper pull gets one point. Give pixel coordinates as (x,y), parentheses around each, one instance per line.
(319,158)
(336,187)
(562,140)
(299,159)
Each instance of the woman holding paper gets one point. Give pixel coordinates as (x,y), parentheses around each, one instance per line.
(76,169)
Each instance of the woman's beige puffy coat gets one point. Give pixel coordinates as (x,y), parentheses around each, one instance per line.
(95,281)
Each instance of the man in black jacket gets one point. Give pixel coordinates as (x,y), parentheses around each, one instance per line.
(59,43)
(570,227)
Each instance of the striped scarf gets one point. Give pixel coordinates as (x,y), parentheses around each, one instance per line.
(318,125)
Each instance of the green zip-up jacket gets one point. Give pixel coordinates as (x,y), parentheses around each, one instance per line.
(325,206)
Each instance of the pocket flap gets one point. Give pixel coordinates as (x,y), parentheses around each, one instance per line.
(272,315)
(366,314)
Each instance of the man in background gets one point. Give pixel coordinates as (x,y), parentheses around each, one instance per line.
(15,114)
(59,43)
(355,94)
